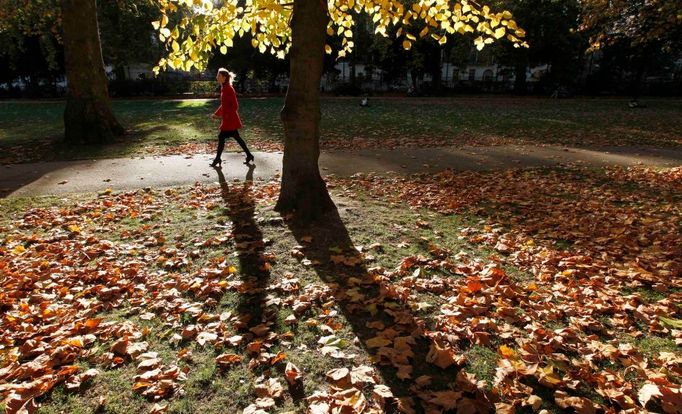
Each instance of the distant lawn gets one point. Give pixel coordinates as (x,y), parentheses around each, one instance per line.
(29,130)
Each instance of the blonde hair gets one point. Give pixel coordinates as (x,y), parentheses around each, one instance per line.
(230,75)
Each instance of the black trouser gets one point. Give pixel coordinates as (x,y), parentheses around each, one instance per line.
(227,134)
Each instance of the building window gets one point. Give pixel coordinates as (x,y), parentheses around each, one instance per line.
(472,74)
(488,75)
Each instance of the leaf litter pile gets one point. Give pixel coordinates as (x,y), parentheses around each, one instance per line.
(564,285)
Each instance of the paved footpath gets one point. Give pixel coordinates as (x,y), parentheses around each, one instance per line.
(49,178)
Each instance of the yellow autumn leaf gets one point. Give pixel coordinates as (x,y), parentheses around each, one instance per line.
(377,342)
(206,26)
(507,352)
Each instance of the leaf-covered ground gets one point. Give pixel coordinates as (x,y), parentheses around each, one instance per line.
(522,290)
(29,130)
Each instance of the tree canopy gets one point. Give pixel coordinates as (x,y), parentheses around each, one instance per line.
(191,29)
(124,29)
(640,23)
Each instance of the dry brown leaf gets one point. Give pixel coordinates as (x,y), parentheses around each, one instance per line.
(270,388)
(581,405)
(227,360)
(443,356)
(292,373)
(339,377)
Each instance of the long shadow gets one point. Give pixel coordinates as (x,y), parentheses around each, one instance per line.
(240,207)
(373,307)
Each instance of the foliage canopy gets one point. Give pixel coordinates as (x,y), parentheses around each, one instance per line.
(191,29)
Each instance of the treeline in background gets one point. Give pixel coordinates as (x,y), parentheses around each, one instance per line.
(577,47)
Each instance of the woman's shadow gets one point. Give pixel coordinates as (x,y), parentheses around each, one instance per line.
(240,207)
(368,302)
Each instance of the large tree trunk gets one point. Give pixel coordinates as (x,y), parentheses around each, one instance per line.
(303,190)
(88,117)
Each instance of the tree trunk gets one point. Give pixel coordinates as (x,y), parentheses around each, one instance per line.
(640,70)
(520,78)
(88,117)
(303,190)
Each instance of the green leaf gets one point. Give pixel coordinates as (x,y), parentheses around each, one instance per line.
(670,322)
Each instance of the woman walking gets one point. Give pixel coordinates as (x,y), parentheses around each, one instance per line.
(230,121)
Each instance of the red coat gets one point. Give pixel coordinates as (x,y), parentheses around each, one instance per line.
(228,109)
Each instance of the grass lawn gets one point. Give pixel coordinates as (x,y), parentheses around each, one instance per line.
(30,130)
(525,289)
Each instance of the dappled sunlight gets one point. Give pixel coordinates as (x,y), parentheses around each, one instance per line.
(195,103)
(603,254)
(386,123)
(506,289)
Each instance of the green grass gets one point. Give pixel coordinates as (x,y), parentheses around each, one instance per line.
(28,129)
(398,230)
(209,389)
(482,361)
(652,346)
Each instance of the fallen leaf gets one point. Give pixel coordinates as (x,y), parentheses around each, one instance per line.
(227,360)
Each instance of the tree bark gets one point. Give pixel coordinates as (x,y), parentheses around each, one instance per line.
(88,117)
(303,191)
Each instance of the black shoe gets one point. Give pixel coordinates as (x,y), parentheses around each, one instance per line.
(249,158)
(217,163)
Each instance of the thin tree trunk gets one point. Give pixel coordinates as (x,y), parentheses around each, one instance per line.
(520,86)
(303,191)
(88,117)
(636,84)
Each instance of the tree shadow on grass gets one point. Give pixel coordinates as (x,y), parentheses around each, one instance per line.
(240,207)
(373,307)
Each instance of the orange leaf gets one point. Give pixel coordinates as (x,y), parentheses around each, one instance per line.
(281,356)
(226,360)
(292,373)
(142,384)
(474,285)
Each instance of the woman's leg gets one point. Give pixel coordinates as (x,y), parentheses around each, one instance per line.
(221,146)
(242,144)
